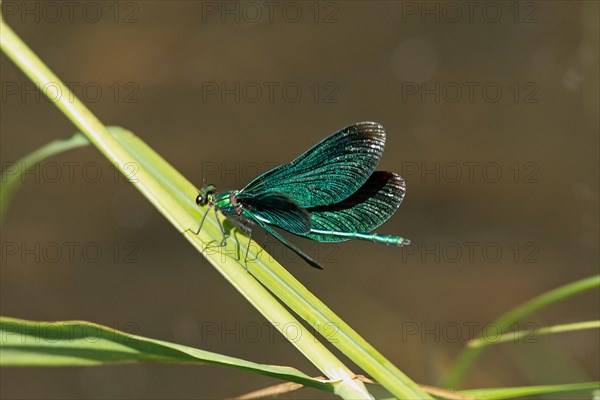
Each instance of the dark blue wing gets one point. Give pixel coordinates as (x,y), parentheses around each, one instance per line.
(330,171)
(275,209)
(369,207)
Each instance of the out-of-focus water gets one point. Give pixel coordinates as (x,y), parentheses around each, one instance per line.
(491,113)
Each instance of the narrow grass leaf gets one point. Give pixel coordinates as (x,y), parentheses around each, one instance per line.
(14,173)
(528,391)
(528,334)
(467,357)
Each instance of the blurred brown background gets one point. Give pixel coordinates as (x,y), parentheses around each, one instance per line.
(492,118)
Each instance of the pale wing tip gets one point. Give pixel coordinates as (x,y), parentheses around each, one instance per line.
(369,129)
(369,125)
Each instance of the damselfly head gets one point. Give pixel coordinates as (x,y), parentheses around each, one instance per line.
(206,195)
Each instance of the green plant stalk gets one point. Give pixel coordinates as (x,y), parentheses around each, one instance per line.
(177,214)
(468,356)
(277,279)
(525,334)
(15,173)
(182,217)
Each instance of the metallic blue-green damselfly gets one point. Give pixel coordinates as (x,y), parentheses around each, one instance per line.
(331,193)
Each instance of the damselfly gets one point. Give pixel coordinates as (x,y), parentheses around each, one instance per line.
(331,193)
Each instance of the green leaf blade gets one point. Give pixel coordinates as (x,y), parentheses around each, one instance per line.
(80,343)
